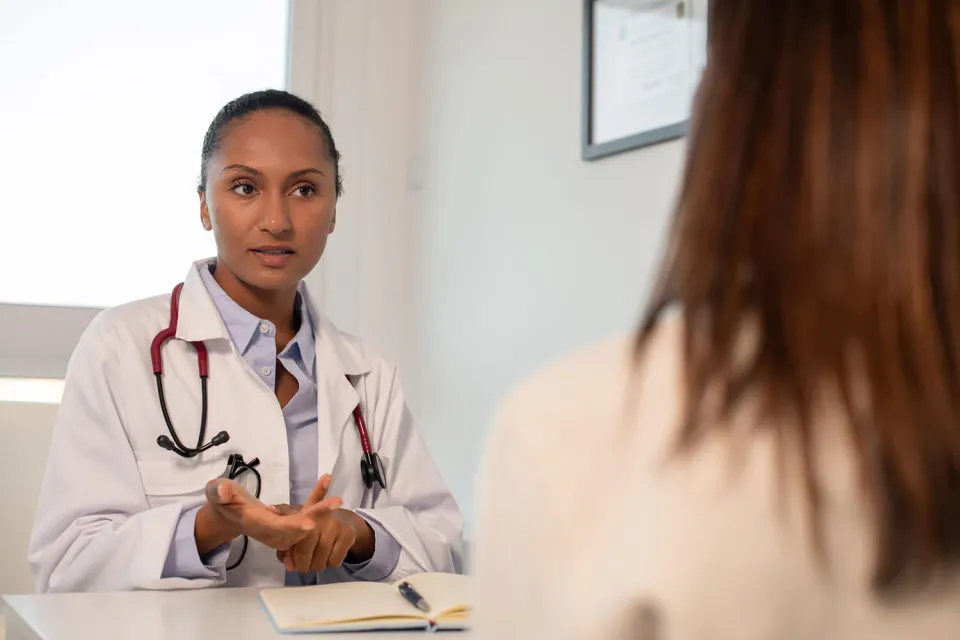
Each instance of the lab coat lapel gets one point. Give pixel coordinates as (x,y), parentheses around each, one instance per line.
(336,399)
(199,318)
(336,394)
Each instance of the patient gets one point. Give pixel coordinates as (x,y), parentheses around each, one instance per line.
(775,453)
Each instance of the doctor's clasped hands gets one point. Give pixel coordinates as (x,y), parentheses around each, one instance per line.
(231,511)
(339,535)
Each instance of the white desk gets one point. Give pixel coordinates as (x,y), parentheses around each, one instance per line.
(207,614)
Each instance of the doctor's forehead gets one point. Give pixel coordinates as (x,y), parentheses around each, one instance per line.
(271,140)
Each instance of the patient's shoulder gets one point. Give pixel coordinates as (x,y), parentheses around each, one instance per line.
(590,392)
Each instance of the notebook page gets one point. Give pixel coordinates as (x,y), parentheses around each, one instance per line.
(332,604)
(442,591)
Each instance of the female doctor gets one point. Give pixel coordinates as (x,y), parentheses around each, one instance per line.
(191,421)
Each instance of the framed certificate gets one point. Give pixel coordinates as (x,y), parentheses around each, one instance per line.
(642,62)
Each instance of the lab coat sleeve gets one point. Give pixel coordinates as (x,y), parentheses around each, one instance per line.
(416,509)
(183,558)
(94,530)
(386,555)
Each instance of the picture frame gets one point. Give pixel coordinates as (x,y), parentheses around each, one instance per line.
(641,63)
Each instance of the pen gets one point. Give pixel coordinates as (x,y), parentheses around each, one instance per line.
(413,597)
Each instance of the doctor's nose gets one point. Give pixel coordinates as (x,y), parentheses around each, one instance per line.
(275,217)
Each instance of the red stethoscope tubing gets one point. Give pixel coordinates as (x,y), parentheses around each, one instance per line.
(170,332)
(371,467)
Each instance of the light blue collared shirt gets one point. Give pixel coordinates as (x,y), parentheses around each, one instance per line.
(255,339)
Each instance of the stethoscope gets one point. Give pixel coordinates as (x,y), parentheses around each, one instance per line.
(371,467)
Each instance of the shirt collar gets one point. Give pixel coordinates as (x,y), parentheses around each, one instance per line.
(243,326)
(302,347)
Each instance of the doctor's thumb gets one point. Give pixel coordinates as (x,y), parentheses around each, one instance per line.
(220,491)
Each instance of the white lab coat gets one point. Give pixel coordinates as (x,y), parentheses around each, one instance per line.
(111,497)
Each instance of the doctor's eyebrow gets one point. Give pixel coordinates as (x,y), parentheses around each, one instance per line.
(241,167)
(303,172)
(295,174)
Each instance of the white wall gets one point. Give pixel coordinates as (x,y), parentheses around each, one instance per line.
(522,250)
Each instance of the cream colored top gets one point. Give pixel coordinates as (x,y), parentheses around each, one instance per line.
(587,530)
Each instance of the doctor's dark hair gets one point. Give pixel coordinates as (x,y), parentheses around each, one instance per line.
(251,103)
(815,253)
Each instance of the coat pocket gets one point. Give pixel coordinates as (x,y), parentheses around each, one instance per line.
(170,476)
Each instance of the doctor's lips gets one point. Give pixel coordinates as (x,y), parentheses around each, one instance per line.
(274,255)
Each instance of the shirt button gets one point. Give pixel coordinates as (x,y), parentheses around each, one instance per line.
(264,328)
(266,371)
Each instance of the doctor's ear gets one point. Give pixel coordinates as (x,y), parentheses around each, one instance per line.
(333,222)
(205,213)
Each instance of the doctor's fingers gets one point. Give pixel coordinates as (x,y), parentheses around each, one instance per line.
(329,535)
(285,556)
(285,509)
(276,531)
(322,509)
(319,549)
(340,549)
(319,490)
(300,557)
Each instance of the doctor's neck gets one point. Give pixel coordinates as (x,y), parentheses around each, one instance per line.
(274,305)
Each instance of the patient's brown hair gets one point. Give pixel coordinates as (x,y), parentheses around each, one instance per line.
(821,199)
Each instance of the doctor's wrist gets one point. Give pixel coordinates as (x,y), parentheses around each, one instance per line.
(364,545)
(211,530)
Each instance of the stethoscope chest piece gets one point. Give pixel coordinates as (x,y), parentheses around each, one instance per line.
(371,469)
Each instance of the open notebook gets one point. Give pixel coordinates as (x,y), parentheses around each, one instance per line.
(370,606)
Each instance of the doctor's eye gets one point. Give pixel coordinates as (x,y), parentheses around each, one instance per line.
(243,189)
(305,191)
